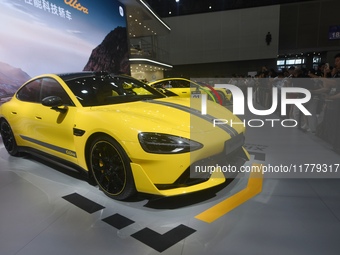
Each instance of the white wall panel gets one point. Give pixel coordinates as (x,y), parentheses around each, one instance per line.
(223,36)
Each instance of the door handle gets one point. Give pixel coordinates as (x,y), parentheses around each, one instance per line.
(38,117)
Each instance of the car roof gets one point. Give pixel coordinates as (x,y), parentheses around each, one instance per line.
(77,75)
(171,79)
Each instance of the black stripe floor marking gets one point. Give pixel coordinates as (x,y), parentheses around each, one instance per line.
(258,155)
(161,242)
(118,221)
(83,203)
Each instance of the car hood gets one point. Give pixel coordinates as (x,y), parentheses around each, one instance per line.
(168,114)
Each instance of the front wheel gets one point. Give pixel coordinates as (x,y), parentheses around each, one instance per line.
(110,167)
(9,139)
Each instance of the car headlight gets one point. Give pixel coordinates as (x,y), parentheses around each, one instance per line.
(166,144)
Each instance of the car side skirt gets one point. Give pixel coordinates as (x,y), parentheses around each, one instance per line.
(54,160)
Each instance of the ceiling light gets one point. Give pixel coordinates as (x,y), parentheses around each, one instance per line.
(146,6)
(151,61)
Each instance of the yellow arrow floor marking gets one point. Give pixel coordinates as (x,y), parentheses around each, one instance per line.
(253,188)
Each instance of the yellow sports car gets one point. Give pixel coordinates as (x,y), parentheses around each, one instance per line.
(184,87)
(124,134)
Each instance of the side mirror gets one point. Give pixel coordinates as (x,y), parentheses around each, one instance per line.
(54,102)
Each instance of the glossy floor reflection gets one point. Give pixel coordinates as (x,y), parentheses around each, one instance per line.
(45,209)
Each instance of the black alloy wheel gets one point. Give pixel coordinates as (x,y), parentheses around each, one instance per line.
(110,167)
(8,138)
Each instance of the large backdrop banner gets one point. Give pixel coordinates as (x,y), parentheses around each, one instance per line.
(58,36)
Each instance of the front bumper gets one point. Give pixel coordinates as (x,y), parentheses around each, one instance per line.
(191,180)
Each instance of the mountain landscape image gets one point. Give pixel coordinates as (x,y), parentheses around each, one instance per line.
(112,54)
(35,41)
(11,78)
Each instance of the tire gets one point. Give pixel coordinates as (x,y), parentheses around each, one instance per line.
(9,139)
(110,167)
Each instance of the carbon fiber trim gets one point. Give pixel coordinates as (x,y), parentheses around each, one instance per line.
(50,146)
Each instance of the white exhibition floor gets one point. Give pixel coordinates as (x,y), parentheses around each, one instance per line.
(47,210)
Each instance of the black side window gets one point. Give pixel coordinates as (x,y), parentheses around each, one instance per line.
(186,84)
(159,85)
(51,87)
(177,84)
(30,92)
(162,84)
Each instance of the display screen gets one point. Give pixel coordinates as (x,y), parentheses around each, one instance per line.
(334,33)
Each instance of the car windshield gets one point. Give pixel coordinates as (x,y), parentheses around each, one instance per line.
(104,89)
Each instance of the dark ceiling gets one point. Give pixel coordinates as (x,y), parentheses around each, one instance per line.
(170,8)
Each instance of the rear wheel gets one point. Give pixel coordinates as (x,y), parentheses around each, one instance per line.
(110,167)
(9,139)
